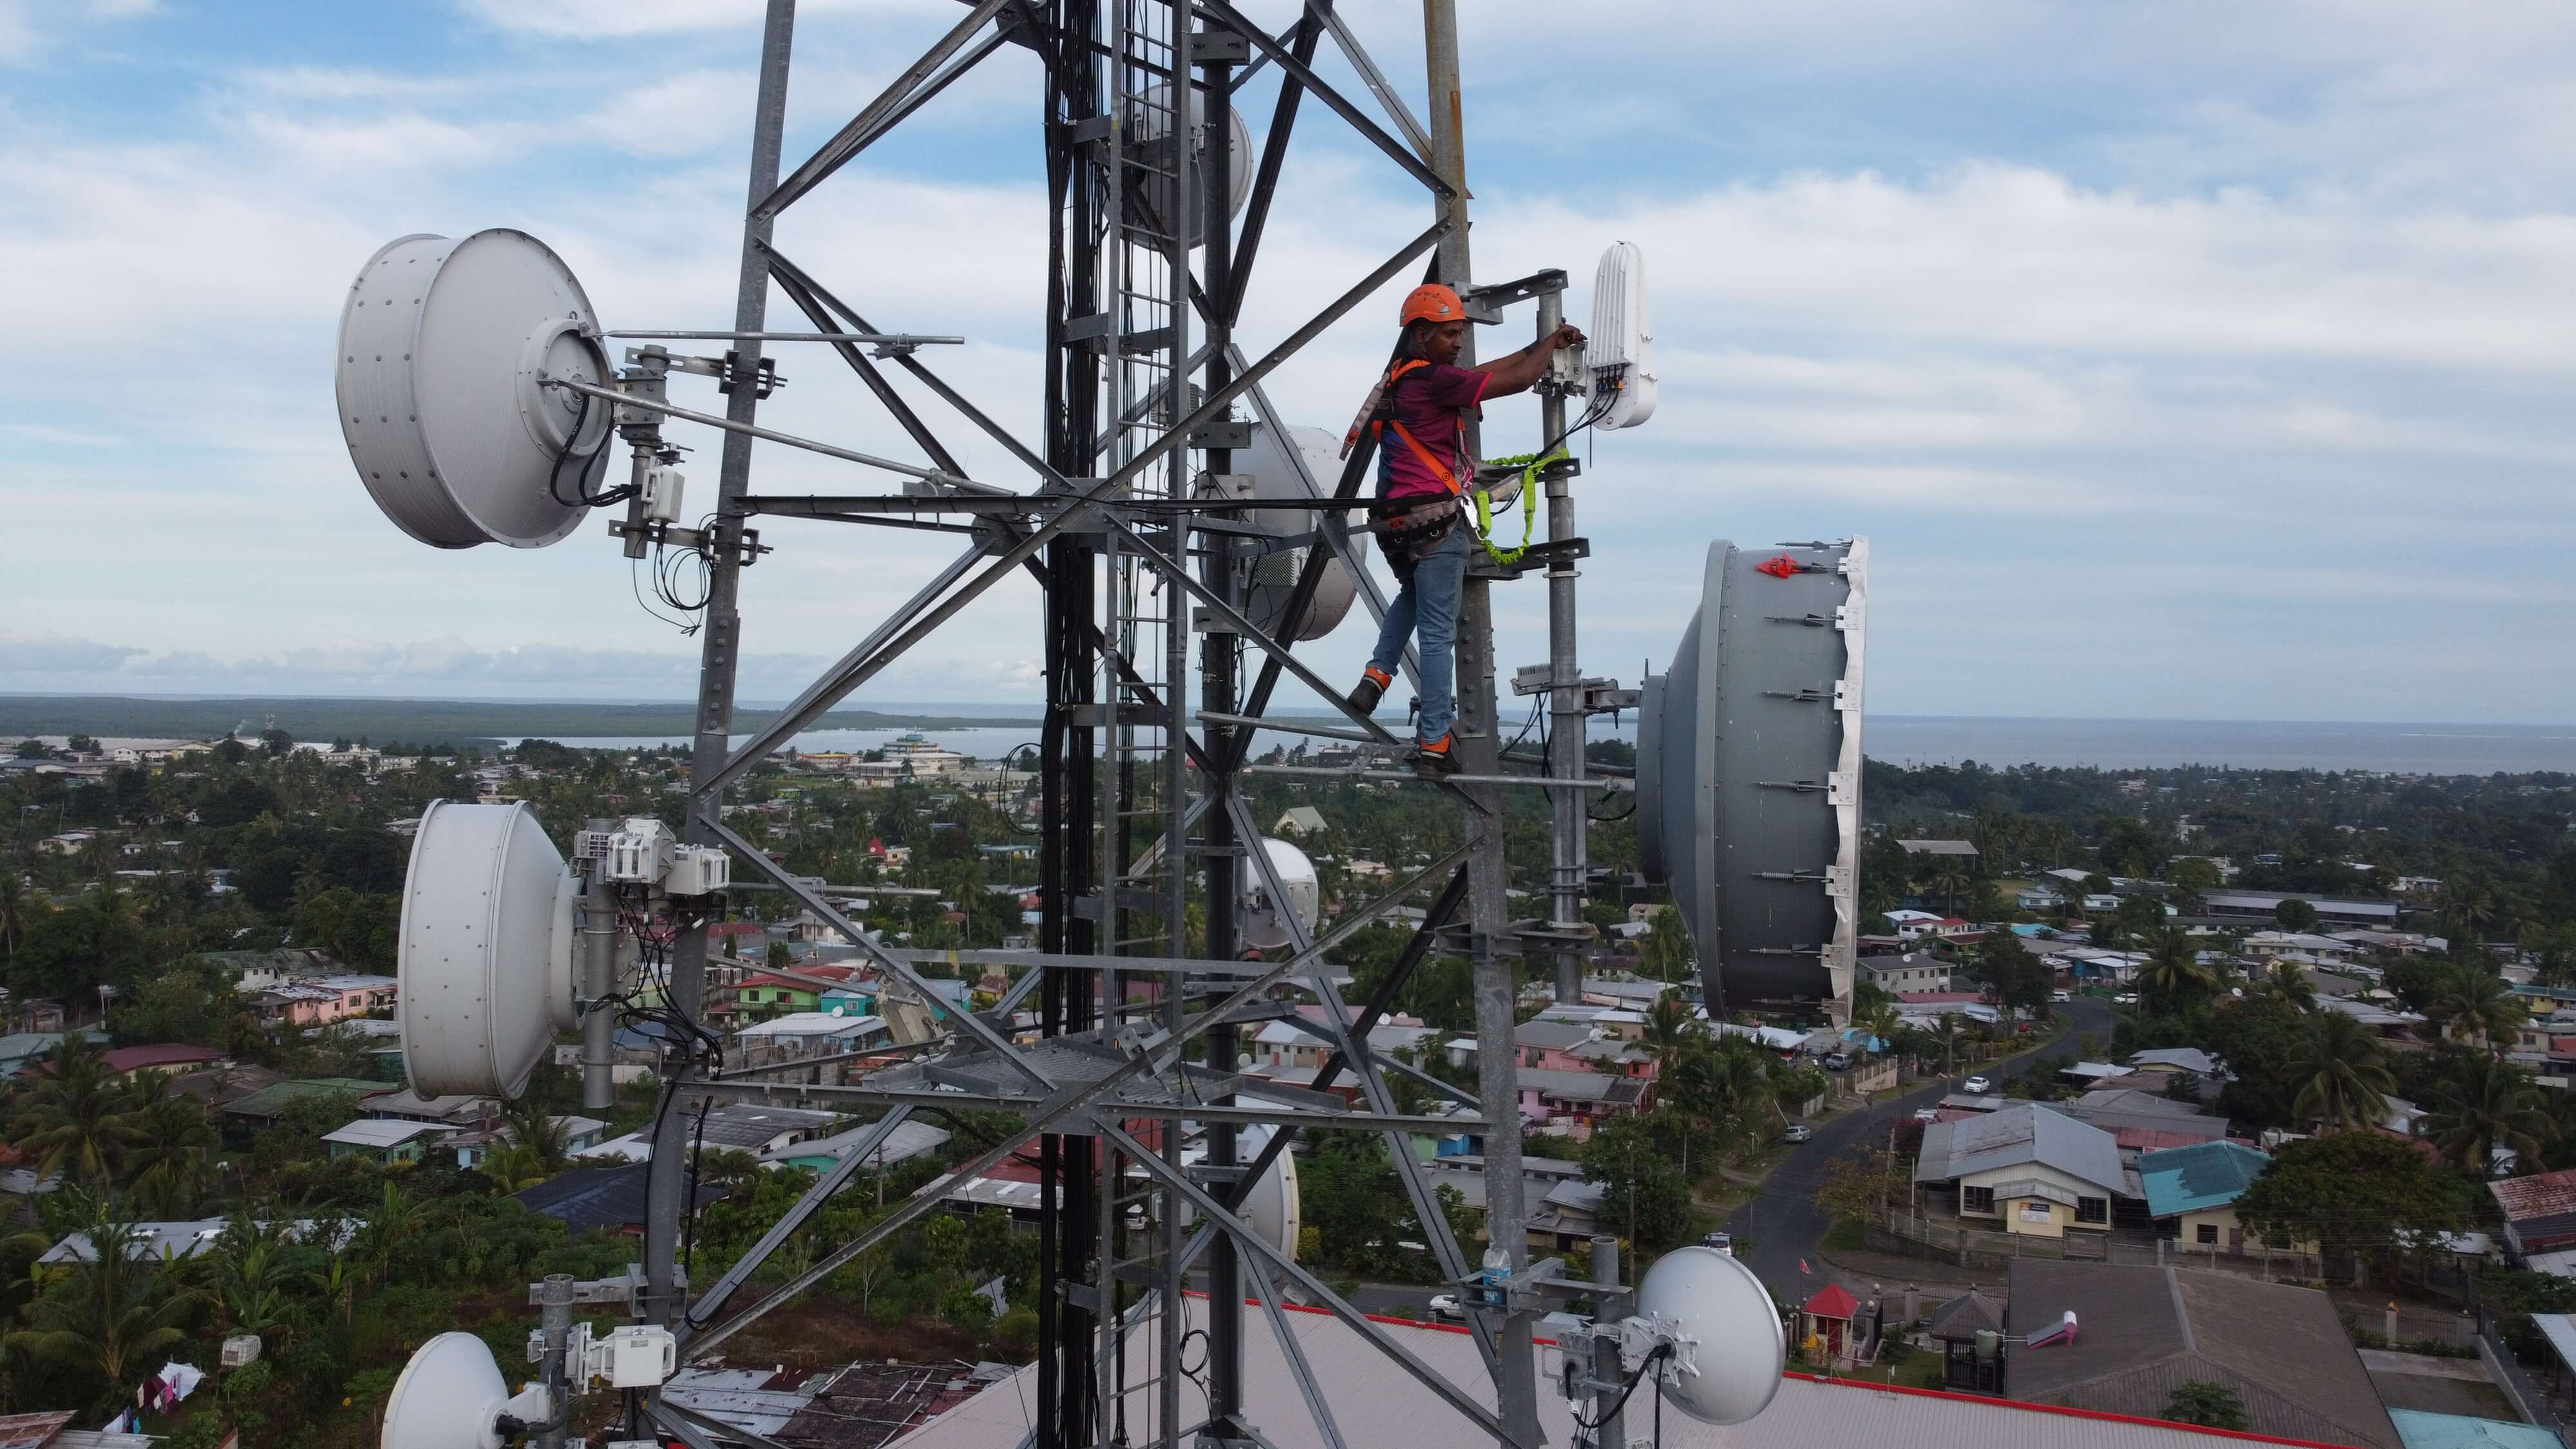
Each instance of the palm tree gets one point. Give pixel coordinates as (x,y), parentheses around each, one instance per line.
(14,908)
(256,1289)
(2484,1104)
(395,1219)
(2475,1004)
(2288,984)
(2342,1081)
(1670,1031)
(2174,972)
(120,1309)
(170,1147)
(530,1126)
(514,1167)
(75,1118)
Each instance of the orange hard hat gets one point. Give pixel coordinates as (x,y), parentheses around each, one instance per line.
(1431,302)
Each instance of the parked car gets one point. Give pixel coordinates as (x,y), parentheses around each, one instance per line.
(1723,1242)
(1797,1132)
(1977,1086)
(2061,996)
(1927,1114)
(1838,1061)
(2126,998)
(1444,1307)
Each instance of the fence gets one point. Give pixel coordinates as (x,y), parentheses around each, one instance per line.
(2528,1396)
(1915,1235)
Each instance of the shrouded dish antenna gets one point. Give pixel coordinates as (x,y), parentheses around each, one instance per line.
(1272,1208)
(486,950)
(1276,474)
(1152,120)
(451,1395)
(1265,920)
(1728,1346)
(1748,773)
(1619,350)
(445,347)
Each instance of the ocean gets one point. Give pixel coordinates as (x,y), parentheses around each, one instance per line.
(2404,749)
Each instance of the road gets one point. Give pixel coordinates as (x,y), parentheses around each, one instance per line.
(1784,1223)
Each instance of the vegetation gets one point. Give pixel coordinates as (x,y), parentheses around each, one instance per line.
(2208,1404)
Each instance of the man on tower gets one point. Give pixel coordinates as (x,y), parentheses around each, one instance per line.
(1418,413)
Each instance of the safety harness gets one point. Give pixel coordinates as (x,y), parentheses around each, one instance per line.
(1379,415)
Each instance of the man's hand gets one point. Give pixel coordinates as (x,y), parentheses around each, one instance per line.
(1566,335)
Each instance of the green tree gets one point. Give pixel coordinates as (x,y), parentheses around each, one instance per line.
(2208,1404)
(74,1121)
(2287,983)
(107,1315)
(169,1149)
(2354,1192)
(1665,953)
(2174,975)
(2341,1076)
(2484,1104)
(2295,915)
(2476,1005)
(2018,979)
(1645,1196)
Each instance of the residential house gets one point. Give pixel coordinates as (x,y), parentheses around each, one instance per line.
(328,999)
(453,1110)
(1625,991)
(1913,971)
(1575,1100)
(252,972)
(1563,1209)
(803,1035)
(1303,820)
(20,1048)
(736,1126)
(907,1141)
(385,1140)
(1909,924)
(2142,1332)
(1954,849)
(2192,1192)
(600,1197)
(269,1105)
(2025,1169)
(2540,1220)
(124,1064)
(1956,1326)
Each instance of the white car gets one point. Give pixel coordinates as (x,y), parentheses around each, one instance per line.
(2125,998)
(1445,1306)
(1977,1086)
(2061,996)
(1926,1114)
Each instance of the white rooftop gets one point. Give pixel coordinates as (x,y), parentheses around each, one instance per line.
(815,1023)
(381,1132)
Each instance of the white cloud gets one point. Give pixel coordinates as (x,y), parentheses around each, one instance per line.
(23,653)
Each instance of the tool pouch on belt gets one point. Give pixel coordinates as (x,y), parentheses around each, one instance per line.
(1414,526)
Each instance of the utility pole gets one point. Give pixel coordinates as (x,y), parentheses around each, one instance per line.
(1479,746)
(1568,860)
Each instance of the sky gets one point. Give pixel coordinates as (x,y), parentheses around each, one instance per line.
(2198,360)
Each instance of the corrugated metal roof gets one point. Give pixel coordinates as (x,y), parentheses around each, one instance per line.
(2208,1175)
(2421,1430)
(1375,1402)
(2015,1135)
(27,1431)
(2541,1195)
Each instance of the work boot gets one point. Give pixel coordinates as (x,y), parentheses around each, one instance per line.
(1435,760)
(1370,689)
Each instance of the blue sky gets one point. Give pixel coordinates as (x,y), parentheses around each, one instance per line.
(2194,360)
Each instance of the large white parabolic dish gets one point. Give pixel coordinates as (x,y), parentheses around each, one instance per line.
(486,950)
(448,1396)
(1274,475)
(444,345)
(1730,1365)
(1263,925)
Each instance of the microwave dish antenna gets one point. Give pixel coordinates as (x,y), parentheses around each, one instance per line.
(1748,772)
(485,950)
(1727,1348)
(1275,476)
(445,349)
(1265,922)
(1152,118)
(451,1395)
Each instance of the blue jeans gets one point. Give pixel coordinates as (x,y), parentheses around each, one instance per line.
(1429,599)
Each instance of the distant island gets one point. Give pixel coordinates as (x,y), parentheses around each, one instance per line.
(421,721)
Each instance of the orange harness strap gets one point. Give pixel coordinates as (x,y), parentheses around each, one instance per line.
(1448,476)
